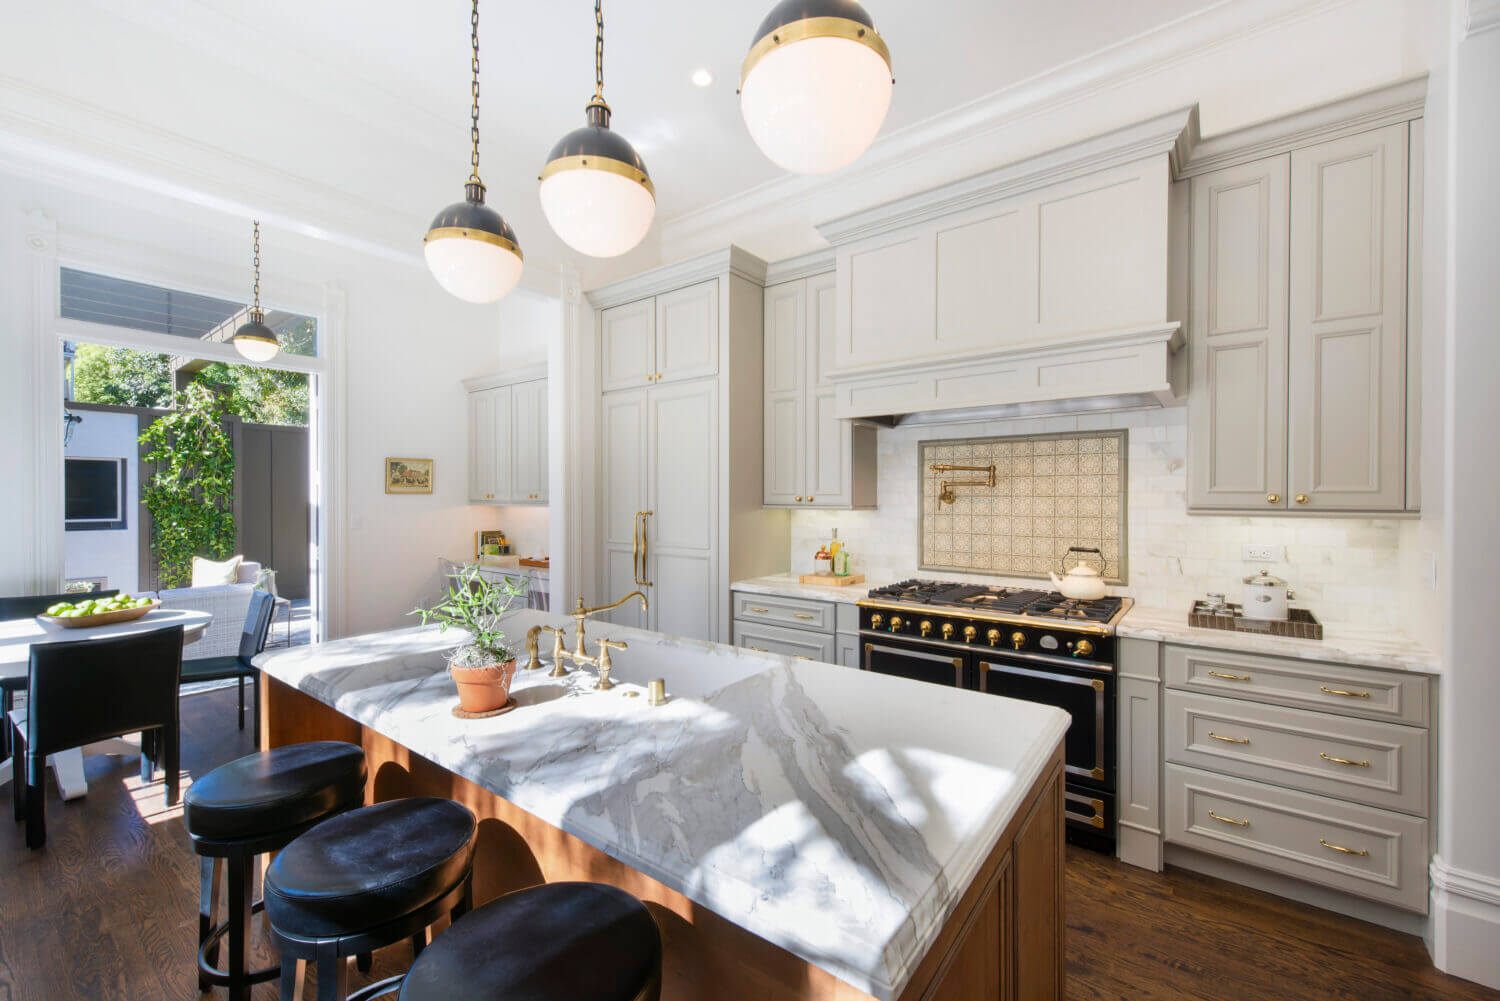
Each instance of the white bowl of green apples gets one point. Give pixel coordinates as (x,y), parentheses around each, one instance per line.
(88,612)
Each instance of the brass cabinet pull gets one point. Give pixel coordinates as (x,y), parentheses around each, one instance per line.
(799,656)
(1346,694)
(803,615)
(1273,498)
(635,546)
(1362,852)
(1300,498)
(641,579)
(1229,740)
(1229,820)
(1343,761)
(761,611)
(1229,677)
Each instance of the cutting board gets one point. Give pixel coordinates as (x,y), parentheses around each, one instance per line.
(822,580)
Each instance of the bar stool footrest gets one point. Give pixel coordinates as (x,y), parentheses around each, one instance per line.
(208,973)
(381,988)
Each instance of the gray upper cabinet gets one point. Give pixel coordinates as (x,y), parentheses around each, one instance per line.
(812,459)
(1298,330)
(508,439)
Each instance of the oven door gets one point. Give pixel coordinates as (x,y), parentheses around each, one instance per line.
(1085,695)
(911,660)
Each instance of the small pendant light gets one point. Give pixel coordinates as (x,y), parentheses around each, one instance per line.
(470,249)
(816,84)
(595,190)
(255,340)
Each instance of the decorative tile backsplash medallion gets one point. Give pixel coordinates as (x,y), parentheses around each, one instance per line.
(1051,491)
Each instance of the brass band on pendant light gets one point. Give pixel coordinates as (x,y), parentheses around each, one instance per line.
(254,340)
(470,249)
(816,84)
(595,190)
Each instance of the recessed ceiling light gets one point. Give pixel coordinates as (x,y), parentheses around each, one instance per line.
(702,77)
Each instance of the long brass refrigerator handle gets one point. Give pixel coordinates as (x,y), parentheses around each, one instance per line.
(635,547)
(645,547)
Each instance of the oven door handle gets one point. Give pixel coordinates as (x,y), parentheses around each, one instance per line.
(1028,657)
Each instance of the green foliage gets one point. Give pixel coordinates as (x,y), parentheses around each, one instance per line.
(474,603)
(120,376)
(258,395)
(191,490)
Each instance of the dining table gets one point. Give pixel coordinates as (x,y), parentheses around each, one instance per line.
(18,636)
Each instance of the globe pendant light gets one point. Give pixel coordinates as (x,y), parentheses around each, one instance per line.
(816,84)
(255,340)
(595,191)
(470,250)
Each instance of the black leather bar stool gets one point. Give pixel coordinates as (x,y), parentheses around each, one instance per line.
(258,804)
(367,879)
(554,942)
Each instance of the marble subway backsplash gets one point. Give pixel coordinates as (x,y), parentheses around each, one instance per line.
(1344,569)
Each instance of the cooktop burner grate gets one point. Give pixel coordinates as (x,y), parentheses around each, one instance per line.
(1004,600)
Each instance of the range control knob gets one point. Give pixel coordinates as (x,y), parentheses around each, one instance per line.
(947,630)
(925,626)
(1017,639)
(1082,648)
(876,620)
(969,633)
(993,637)
(896,623)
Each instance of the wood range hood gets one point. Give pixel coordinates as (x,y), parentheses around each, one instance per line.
(1054,285)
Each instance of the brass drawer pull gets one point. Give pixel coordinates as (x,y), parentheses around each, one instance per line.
(799,656)
(1362,852)
(1340,691)
(803,615)
(1343,761)
(1229,677)
(1229,820)
(762,611)
(1232,740)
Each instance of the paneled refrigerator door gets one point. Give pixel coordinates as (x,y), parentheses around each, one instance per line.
(625,503)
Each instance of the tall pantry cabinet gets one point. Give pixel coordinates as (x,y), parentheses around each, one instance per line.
(680,416)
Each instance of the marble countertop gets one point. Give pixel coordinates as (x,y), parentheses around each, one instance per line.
(1341,644)
(786,585)
(839,815)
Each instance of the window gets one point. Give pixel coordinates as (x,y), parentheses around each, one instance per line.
(94,494)
(120,303)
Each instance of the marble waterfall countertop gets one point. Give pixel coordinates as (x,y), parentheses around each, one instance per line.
(838,814)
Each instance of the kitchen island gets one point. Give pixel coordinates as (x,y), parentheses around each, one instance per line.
(799,830)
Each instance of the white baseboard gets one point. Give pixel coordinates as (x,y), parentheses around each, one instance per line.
(1138,846)
(1464,934)
(1408,922)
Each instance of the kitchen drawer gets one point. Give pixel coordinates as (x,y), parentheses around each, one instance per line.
(1300,835)
(790,642)
(1307,684)
(1374,763)
(799,613)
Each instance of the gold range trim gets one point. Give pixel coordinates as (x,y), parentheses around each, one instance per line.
(979,615)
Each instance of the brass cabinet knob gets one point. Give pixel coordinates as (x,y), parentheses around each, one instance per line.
(1082,648)
(947,630)
(896,623)
(926,627)
(993,636)
(809,498)
(658,377)
(1301,498)
(1273,498)
(799,498)
(1018,639)
(969,633)
(876,620)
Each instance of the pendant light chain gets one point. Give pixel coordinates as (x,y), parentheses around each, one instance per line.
(474,113)
(599,49)
(256,307)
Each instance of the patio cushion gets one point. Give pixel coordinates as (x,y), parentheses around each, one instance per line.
(207,573)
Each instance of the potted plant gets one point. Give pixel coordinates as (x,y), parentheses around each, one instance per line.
(483,665)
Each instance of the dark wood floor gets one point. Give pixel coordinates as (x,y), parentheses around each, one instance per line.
(108,911)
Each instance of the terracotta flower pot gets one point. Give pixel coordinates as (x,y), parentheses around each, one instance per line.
(483,689)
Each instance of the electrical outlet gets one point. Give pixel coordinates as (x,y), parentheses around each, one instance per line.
(1264,554)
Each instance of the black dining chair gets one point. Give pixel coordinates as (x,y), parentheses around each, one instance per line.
(83,691)
(252,642)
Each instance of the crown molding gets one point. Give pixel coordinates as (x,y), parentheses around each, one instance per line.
(732,260)
(1481,15)
(1362,112)
(816,263)
(1044,94)
(1169,134)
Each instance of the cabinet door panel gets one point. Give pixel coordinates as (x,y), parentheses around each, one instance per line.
(482,445)
(623,470)
(687,332)
(786,393)
(1347,408)
(503,451)
(528,404)
(1237,406)
(828,472)
(620,569)
(887,292)
(822,327)
(683,432)
(628,334)
(682,598)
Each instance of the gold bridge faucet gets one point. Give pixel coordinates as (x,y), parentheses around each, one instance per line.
(578,655)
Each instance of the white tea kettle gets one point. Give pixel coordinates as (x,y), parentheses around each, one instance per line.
(1082,582)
